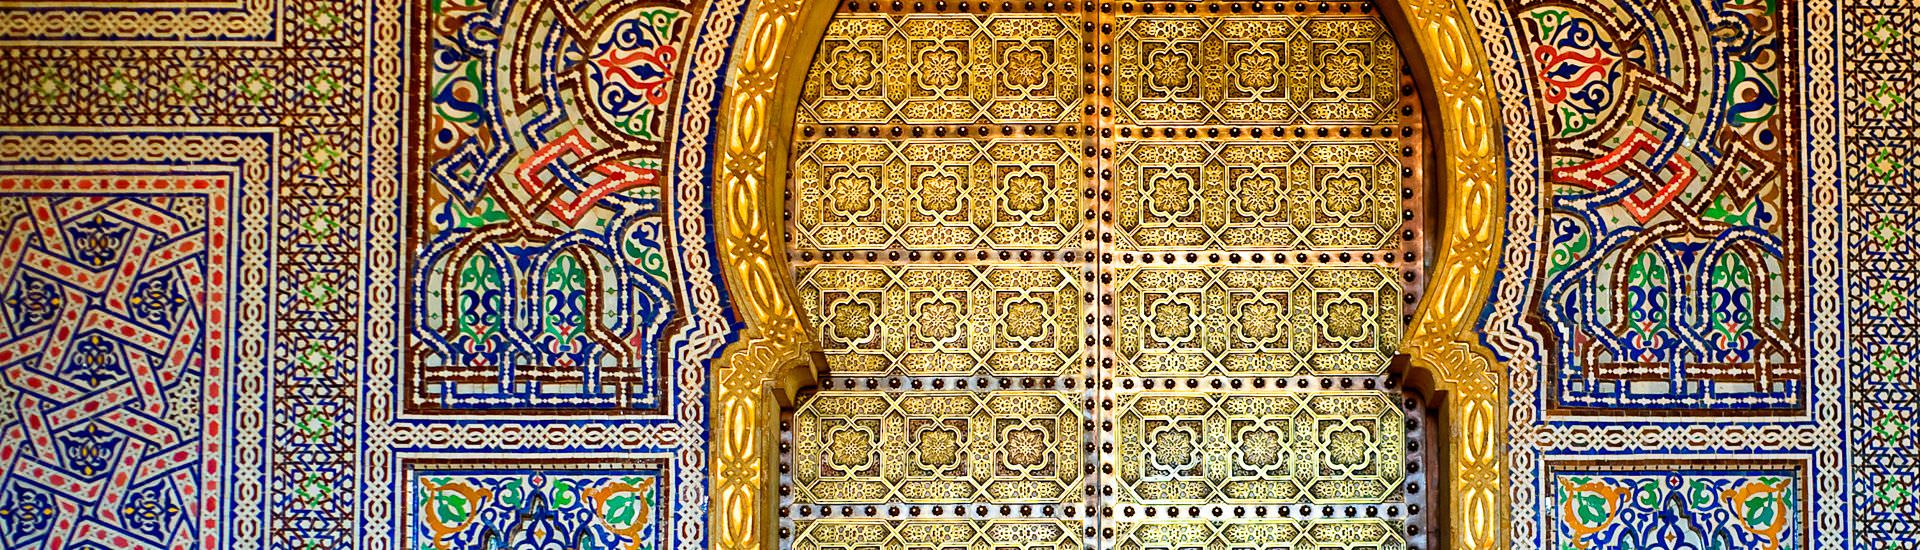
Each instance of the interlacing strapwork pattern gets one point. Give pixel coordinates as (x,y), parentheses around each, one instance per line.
(946,319)
(1182,70)
(1108,276)
(1677,214)
(1182,195)
(537,230)
(1285,320)
(1253,448)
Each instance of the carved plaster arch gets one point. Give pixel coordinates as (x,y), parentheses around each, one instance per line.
(776,355)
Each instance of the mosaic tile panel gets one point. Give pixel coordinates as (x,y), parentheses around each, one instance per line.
(1653,506)
(537,231)
(462,506)
(1781,62)
(545,299)
(1675,206)
(117,348)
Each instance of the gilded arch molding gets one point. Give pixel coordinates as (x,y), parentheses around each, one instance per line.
(775,354)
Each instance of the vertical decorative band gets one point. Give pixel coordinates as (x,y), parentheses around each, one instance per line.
(1441,337)
(774,354)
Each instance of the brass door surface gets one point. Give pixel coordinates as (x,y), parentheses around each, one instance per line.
(1106,275)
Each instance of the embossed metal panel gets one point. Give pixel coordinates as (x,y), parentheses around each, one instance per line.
(945,319)
(1255,69)
(936,447)
(945,69)
(936,194)
(1274,321)
(1262,534)
(1285,195)
(1262,447)
(1124,275)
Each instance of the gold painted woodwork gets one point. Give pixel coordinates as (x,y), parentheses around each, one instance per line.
(1442,340)
(775,353)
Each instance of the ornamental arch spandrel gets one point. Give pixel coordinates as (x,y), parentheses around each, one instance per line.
(966,233)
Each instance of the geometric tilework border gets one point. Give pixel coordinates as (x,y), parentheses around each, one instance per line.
(249,423)
(1534,438)
(164,23)
(1783,479)
(678,436)
(1883,265)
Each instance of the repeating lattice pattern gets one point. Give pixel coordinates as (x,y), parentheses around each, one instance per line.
(866,194)
(1883,266)
(1276,321)
(945,69)
(1259,69)
(1100,211)
(937,447)
(945,320)
(1284,195)
(1262,447)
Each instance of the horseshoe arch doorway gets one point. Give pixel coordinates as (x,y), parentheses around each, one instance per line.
(1103,275)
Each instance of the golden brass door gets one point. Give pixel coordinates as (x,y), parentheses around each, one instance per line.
(1106,275)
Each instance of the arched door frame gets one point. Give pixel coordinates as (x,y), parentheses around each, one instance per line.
(776,355)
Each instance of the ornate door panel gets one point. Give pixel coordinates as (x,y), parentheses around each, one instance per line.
(1106,275)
